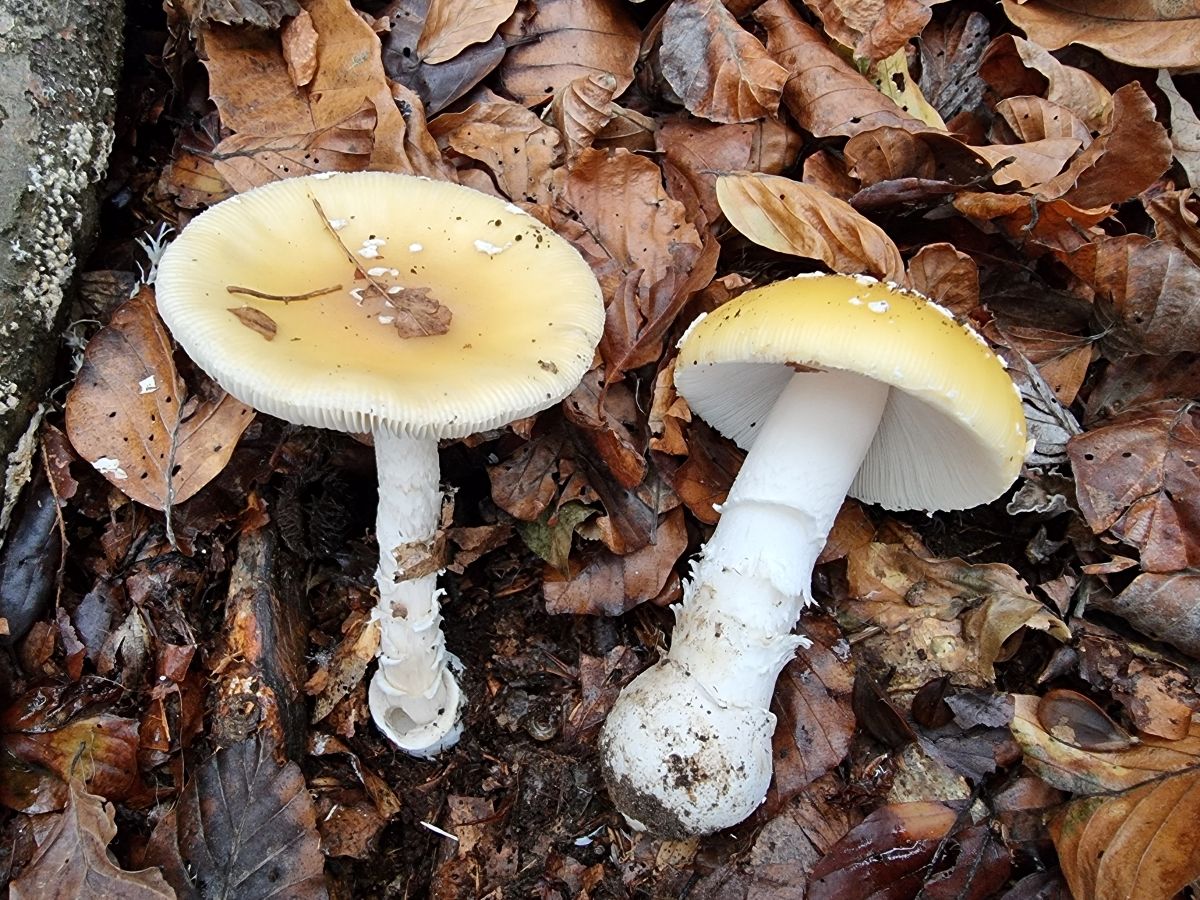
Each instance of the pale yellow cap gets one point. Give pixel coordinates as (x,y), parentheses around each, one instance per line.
(525,311)
(953,431)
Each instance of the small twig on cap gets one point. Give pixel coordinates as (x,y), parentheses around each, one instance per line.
(282,298)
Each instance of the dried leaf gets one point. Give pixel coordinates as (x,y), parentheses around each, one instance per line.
(515,145)
(696,153)
(826,95)
(1036,119)
(1081,771)
(248,161)
(611,424)
(72,860)
(947,275)
(245,827)
(875,29)
(1176,216)
(1072,718)
(648,258)
(100,751)
(1137,477)
(130,416)
(1030,164)
(1014,66)
(791,217)
(1166,607)
(300,48)
(1185,128)
(565,40)
(716,67)
(523,485)
(891,78)
(551,535)
(950,52)
(812,704)
(1140,842)
(581,108)
(1001,616)
(453,25)
(611,585)
(256,320)
(347,666)
(1153,36)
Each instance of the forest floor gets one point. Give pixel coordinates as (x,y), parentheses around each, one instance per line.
(998,702)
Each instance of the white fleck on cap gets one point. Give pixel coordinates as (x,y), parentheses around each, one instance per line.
(953,431)
(523,324)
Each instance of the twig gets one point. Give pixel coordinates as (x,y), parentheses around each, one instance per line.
(282,298)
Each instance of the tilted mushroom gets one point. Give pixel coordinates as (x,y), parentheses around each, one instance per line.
(411,309)
(835,385)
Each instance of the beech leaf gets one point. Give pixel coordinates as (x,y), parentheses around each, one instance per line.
(130,415)
(72,860)
(872,30)
(1164,606)
(792,217)
(1148,35)
(453,25)
(718,69)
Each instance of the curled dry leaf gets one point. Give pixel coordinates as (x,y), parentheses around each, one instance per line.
(1176,216)
(1075,720)
(945,274)
(1149,35)
(565,40)
(872,30)
(718,69)
(516,147)
(1185,128)
(648,258)
(72,858)
(1137,478)
(453,25)
(1015,66)
(1006,610)
(791,217)
(581,109)
(826,95)
(1036,119)
(1164,606)
(129,413)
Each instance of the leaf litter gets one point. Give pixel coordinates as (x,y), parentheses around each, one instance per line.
(998,702)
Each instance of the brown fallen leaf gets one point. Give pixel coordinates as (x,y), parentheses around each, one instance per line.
(610,585)
(1080,771)
(1061,359)
(129,413)
(892,78)
(648,258)
(517,148)
(1164,606)
(791,217)
(299,40)
(826,95)
(264,14)
(565,40)
(256,320)
(872,30)
(244,826)
(812,705)
(582,108)
(453,25)
(72,859)
(718,69)
(1185,128)
(1176,216)
(1153,36)
(697,152)
(524,483)
(1134,381)
(1015,66)
(945,274)
(437,85)
(950,49)
(669,414)
(1137,478)
(1142,842)
(1036,118)
(610,422)
(1072,718)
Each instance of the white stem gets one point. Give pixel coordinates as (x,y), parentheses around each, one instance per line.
(414,696)
(705,706)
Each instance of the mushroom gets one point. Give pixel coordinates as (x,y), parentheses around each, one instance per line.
(411,309)
(835,385)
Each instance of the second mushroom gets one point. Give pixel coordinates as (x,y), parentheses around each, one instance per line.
(835,385)
(406,308)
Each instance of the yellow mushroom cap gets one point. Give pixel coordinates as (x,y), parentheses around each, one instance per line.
(521,311)
(953,431)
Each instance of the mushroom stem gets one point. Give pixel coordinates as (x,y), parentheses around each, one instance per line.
(414,696)
(687,747)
